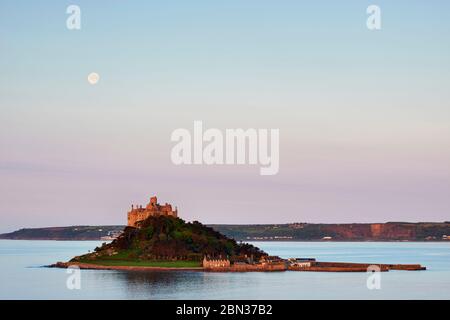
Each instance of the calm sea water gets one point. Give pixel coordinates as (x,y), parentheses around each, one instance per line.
(22,276)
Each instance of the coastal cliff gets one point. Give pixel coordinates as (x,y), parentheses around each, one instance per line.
(390,231)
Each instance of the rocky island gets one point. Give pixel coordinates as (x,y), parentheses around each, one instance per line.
(156,238)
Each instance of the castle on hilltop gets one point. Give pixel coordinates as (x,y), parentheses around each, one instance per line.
(138,213)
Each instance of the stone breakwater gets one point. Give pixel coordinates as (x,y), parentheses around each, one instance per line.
(312,267)
(355,267)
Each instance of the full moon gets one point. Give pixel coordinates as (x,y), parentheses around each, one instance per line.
(93,78)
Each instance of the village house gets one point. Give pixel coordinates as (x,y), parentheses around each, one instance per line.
(215,263)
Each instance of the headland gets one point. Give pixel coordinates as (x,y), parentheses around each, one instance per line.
(157,239)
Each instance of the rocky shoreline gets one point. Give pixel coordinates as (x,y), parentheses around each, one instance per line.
(91,266)
(313,267)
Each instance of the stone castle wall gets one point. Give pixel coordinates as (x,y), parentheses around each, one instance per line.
(138,213)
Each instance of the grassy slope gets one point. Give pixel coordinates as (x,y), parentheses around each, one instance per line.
(144,263)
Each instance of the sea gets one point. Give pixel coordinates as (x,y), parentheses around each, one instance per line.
(24,275)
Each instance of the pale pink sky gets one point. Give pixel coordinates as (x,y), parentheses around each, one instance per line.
(364,116)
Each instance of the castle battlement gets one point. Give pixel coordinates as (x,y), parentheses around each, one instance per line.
(153,208)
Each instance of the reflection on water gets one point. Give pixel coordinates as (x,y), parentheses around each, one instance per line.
(157,283)
(19,281)
(186,284)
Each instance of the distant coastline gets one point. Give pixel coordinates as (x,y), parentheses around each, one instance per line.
(389,231)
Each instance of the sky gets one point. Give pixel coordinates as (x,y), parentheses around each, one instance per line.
(363,115)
